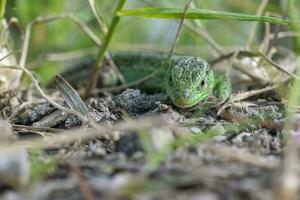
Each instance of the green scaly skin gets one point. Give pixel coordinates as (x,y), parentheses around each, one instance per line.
(188,81)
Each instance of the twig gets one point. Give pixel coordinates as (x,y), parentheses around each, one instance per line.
(98,16)
(44,129)
(14,21)
(53,103)
(245,95)
(272,41)
(251,76)
(10,67)
(238,53)
(271,36)
(266,40)
(259,12)
(253,54)
(73,19)
(85,29)
(231,62)
(124,86)
(201,31)
(278,66)
(70,55)
(22,63)
(115,68)
(178,31)
(284,34)
(230,54)
(9,54)
(205,35)
(24,53)
(49,19)
(15,111)
(104,29)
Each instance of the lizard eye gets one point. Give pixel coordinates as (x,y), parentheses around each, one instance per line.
(202,84)
(170,80)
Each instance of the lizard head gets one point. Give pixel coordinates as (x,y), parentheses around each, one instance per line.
(189,80)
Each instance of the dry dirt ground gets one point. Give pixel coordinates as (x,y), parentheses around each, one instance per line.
(141,147)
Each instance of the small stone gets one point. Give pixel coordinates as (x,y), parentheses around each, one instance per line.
(195,130)
(39,112)
(136,103)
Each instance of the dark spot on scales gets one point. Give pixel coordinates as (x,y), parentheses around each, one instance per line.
(195,74)
(179,72)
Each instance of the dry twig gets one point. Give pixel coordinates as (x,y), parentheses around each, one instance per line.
(259,12)
(98,16)
(178,31)
(22,64)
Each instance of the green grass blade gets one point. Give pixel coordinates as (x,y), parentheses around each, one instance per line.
(2,8)
(171,13)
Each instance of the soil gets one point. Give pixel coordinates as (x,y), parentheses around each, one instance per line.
(239,159)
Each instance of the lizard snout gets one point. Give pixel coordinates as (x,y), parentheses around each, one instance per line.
(186,94)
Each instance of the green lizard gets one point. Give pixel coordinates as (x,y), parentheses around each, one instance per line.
(188,81)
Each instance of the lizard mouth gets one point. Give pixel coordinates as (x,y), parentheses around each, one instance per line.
(184,103)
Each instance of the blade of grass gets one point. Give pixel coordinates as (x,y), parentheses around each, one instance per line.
(70,95)
(170,13)
(178,31)
(294,95)
(2,8)
(103,48)
(98,16)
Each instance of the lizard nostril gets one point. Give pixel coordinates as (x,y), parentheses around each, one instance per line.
(202,83)
(186,94)
(170,82)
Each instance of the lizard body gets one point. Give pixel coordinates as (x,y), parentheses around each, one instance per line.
(187,81)
(190,80)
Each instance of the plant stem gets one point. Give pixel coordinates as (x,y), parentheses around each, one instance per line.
(22,63)
(178,31)
(102,50)
(2,8)
(294,95)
